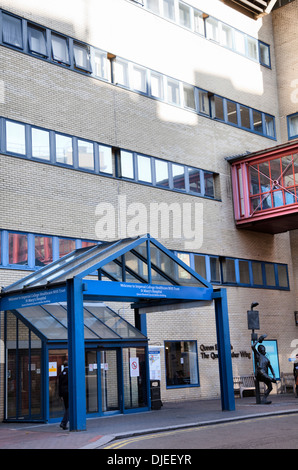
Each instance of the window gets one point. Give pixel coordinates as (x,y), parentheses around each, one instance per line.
(199,25)
(81,56)
(169,9)
(40,144)
(17,248)
(153,5)
(244,272)
(257,273)
(203,102)
(214,269)
(181,363)
(189,97)
(64,153)
(139,79)
(228,271)
(178,176)
(144,169)
(257,121)
(184,15)
(270,274)
(264,51)
(200,265)
(240,42)
(60,49)
(101,65)
(66,246)
(43,250)
(212,29)
(121,72)
(161,173)
(12,30)
(282,275)
(232,112)
(194,177)
(105,159)
(209,184)
(293,126)
(218,107)
(226,36)
(126,164)
(85,152)
(15,138)
(244,117)
(252,48)
(269,126)
(156,85)
(37,40)
(173,91)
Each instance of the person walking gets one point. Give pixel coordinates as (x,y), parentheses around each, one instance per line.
(295,372)
(63,394)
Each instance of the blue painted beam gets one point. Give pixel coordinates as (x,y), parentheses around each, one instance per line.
(76,356)
(224,350)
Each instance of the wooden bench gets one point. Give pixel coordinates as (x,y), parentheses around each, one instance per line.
(243,382)
(287,382)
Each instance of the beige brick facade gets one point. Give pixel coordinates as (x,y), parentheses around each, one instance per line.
(46,199)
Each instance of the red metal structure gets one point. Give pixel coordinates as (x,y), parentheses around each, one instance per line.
(265,189)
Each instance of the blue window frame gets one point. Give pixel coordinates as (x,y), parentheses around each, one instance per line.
(181,359)
(237,271)
(292,121)
(65,51)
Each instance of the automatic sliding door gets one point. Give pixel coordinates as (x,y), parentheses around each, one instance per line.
(109,380)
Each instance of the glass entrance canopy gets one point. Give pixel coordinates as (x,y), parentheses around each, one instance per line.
(100,322)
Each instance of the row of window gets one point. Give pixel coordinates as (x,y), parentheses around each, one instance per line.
(31,251)
(201,23)
(293,126)
(44,145)
(65,51)
(238,272)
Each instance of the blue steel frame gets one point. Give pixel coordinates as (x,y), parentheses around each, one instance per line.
(77,290)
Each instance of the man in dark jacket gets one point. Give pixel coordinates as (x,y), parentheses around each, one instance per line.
(295,372)
(63,393)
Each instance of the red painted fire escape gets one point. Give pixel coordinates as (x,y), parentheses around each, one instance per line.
(265,189)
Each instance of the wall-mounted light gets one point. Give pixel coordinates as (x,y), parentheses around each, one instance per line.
(296,317)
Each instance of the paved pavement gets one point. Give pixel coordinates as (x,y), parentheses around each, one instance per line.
(172,415)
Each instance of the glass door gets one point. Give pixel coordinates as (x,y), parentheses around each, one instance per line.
(109,380)
(91,382)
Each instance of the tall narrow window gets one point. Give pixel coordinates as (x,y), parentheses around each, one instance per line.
(126,165)
(184,15)
(161,173)
(199,25)
(139,79)
(269,125)
(37,40)
(257,121)
(156,83)
(86,157)
(101,65)
(121,72)
(40,144)
(194,180)
(252,48)
(60,49)
(43,250)
(169,9)
(173,91)
(264,54)
(17,248)
(64,152)
(12,30)
(232,112)
(153,5)
(292,126)
(203,102)
(105,159)
(178,176)
(212,29)
(144,169)
(189,97)
(15,138)
(82,56)
(226,36)
(245,117)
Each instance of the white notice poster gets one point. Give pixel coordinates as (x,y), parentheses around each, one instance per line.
(134,367)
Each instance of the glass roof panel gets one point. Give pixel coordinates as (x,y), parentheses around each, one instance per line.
(115,322)
(44,322)
(100,322)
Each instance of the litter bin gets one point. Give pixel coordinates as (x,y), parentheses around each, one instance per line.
(155,394)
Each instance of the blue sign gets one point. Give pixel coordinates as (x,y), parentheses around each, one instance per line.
(31,299)
(272,354)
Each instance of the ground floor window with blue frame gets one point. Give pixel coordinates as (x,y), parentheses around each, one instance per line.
(181,363)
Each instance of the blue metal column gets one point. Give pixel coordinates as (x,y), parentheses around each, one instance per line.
(224,350)
(76,356)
